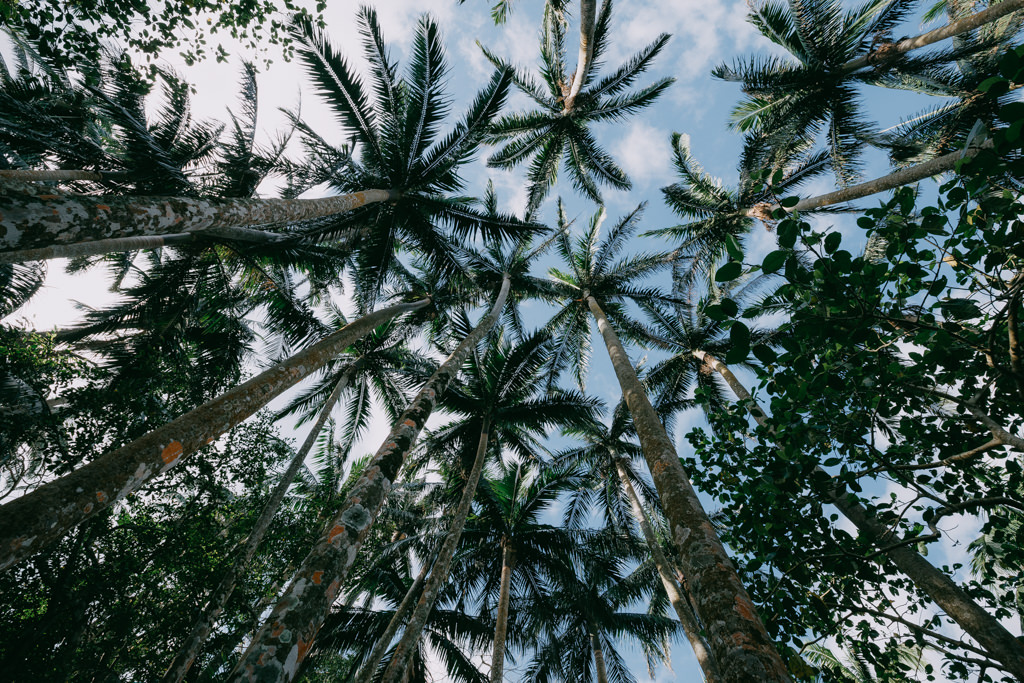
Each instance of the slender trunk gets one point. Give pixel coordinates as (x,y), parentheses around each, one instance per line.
(369,668)
(974,620)
(737,638)
(672,588)
(289,631)
(904,176)
(219,597)
(439,574)
(595,647)
(50,175)
(953,28)
(96,247)
(30,523)
(33,222)
(501,619)
(588,22)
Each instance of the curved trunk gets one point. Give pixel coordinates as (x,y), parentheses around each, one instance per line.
(439,574)
(588,22)
(47,220)
(953,28)
(737,638)
(975,621)
(501,618)
(290,629)
(903,176)
(30,523)
(600,669)
(219,597)
(380,648)
(672,589)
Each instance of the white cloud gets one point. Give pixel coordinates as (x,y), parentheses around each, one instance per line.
(644,154)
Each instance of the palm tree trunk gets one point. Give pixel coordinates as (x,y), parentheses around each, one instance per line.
(219,597)
(953,28)
(738,640)
(33,222)
(380,648)
(501,618)
(439,574)
(903,176)
(974,620)
(588,22)
(595,646)
(672,588)
(30,523)
(50,175)
(289,631)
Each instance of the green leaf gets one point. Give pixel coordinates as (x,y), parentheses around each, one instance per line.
(739,337)
(773,261)
(730,271)
(832,242)
(733,247)
(994,86)
(765,354)
(789,202)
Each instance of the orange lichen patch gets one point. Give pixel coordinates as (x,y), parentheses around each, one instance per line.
(171,452)
(102,207)
(745,608)
(101,497)
(277,630)
(659,467)
(88,508)
(303,647)
(333,533)
(46,197)
(332,590)
(317,577)
(409,423)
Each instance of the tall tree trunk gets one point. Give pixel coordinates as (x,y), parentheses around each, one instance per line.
(439,574)
(405,608)
(595,647)
(672,588)
(219,597)
(50,175)
(737,638)
(47,220)
(975,621)
(289,631)
(30,523)
(508,560)
(588,22)
(953,28)
(904,176)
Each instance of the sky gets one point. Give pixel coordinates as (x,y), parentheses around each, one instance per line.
(704,34)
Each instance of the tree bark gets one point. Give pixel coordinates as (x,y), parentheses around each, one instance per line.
(96,247)
(501,618)
(737,638)
(439,574)
(953,28)
(289,631)
(974,620)
(30,523)
(588,22)
(672,588)
(218,598)
(595,646)
(47,220)
(50,175)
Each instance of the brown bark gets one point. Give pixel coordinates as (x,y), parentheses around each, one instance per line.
(976,622)
(219,597)
(668,581)
(737,638)
(954,28)
(600,669)
(439,574)
(30,523)
(501,618)
(588,23)
(289,631)
(47,220)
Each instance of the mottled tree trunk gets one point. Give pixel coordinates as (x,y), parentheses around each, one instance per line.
(672,588)
(953,28)
(47,220)
(96,247)
(588,23)
(439,574)
(219,597)
(47,175)
(975,621)
(30,523)
(600,669)
(737,638)
(508,560)
(290,629)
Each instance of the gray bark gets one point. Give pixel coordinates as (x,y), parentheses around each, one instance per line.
(95,247)
(588,22)
(30,523)
(595,646)
(501,618)
(976,622)
(286,636)
(49,175)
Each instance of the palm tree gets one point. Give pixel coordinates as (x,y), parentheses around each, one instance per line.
(607,455)
(560,128)
(594,284)
(502,408)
